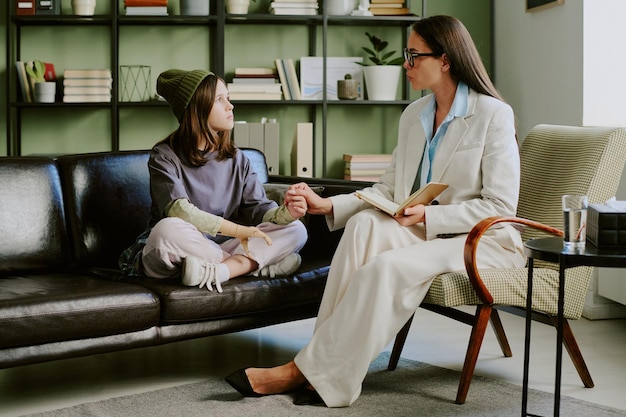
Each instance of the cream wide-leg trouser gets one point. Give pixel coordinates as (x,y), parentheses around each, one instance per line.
(172,239)
(379,275)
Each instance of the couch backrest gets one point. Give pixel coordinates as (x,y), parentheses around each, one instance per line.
(33,234)
(107,197)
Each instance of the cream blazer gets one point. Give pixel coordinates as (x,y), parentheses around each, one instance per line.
(478,158)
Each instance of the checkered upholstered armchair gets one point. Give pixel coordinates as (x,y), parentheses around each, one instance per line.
(555,160)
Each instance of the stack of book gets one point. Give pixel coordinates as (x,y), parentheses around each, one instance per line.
(365,167)
(293,7)
(146,7)
(288,79)
(254,84)
(87,85)
(388,7)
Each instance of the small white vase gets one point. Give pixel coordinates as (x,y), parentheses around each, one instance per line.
(194,7)
(84,7)
(381,81)
(237,6)
(45,92)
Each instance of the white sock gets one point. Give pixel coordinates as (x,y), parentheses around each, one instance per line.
(223,273)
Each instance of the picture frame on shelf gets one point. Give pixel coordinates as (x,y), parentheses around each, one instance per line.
(537,5)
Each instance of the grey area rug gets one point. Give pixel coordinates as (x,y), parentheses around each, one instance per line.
(413,389)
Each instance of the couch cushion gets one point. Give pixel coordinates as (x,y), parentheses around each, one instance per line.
(242,296)
(58,307)
(33,233)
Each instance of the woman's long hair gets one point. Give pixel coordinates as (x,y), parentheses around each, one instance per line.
(193,138)
(447,35)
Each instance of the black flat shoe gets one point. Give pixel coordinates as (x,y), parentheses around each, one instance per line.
(239,380)
(305,396)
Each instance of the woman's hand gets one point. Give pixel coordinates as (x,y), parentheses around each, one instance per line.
(296,204)
(315,203)
(412,215)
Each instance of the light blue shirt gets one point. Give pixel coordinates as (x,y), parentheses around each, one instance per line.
(427,117)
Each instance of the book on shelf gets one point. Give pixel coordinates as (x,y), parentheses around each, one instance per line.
(364,172)
(255,96)
(146,11)
(292,79)
(424,195)
(282,76)
(87,73)
(311,76)
(253,88)
(385,2)
(87,98)
(88,82)
(374,165)
(68,90)
(47,7)
(390,11)
(145,3)
(295,11)
(368,178)
(255,80)
(24,83)
(375,157)
(24,7)
(386,5)
(242,71)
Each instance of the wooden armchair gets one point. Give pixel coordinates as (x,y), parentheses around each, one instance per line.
(555,160)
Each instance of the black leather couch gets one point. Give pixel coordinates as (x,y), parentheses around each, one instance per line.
(64,222)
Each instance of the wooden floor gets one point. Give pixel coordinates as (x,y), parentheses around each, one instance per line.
(432,339)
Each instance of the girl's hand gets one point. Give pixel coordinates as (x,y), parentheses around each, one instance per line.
(296,204)
(315,203)
(412,215)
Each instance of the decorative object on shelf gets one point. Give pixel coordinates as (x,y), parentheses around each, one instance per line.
(135,81)
(347,89)
(363,9)
(340,7)
(237,6)
(382,78)
(45,91)
(194,7)
(84,7)
(312,75)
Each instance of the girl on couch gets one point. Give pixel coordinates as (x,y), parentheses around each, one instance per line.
(205,193)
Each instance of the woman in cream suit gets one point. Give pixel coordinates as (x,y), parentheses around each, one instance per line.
(463,135)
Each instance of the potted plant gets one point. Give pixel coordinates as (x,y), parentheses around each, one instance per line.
(45,91)
(381,78)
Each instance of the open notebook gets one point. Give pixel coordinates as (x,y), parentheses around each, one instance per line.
(424,195)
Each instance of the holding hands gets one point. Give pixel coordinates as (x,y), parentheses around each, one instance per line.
(315,203)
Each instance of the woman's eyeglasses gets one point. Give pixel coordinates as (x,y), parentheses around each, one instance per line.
(410,56)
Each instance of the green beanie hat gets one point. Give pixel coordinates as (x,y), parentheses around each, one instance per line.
(178,86)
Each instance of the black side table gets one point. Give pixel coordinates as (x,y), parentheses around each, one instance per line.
(551,249)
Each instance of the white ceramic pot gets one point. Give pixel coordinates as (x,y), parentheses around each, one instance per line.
(237,6)
(194,7)
(45,92)
(340,7)
(84,7)
(381,81)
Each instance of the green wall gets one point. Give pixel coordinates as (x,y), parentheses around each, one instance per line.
(351,128)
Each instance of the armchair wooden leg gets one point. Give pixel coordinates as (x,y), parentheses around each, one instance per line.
(574,353)
(399,344)
(496,325)
(483,314)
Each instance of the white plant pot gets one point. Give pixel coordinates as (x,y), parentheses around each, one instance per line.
(194,7)
(45,92)
(381,81)
(237,6)
(84,7)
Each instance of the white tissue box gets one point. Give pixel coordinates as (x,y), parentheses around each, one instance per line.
(606,227)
